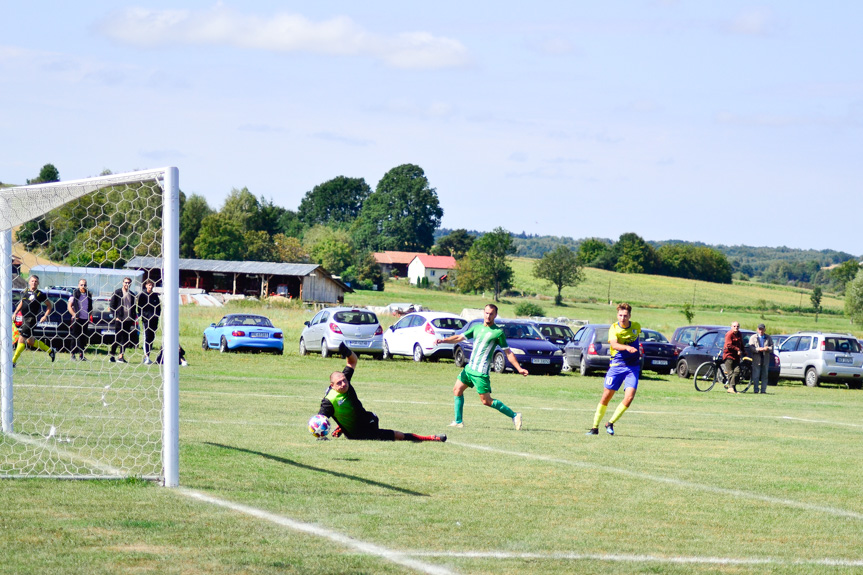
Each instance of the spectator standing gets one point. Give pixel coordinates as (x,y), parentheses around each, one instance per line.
(149,310)
(124,307)
(732,353)
(80,305)
(761,349)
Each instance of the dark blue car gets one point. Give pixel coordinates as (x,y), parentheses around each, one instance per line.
(589,350)
(710,345)
(659,354)
(533,352)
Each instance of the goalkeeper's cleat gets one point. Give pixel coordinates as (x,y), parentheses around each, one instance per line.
(517,421)
(609,428)
(337,432)
(593,431)
(441,437)
(456,424)
(52,354)
(345,350)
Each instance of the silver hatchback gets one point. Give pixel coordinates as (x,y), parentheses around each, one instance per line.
(358,328)
(815,357)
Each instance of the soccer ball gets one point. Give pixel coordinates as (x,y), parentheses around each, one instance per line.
(319,426)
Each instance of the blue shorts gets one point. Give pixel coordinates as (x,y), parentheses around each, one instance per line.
(626,375)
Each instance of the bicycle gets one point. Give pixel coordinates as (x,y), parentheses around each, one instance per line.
(710,372)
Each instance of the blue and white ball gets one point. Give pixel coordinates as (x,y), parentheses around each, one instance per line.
(319,426)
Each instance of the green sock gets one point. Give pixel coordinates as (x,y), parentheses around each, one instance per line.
(42,345)
(18,351)
(600,413)
(617,413)
(501,407)
(459,408)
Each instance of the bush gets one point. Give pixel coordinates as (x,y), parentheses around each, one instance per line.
(528,309)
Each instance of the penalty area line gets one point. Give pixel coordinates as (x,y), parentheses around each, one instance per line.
(738,493)
(626,558)
(364,547)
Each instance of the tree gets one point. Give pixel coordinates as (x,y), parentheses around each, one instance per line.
(844,273)
(634,256)
(220,238)
(401,214)
(456,244)
(47,174)
(242,207)
(560,268)
(595,253)
(258,247)
(489,260)
(815,298)
(694,262)
(687,312)
(854,298)
(337,201)
(329,247)
(194,210)
(290,224)
(288,249)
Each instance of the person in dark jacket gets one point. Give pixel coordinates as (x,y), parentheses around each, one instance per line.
(149,310)
(80,305)
(124,306)
(732,353)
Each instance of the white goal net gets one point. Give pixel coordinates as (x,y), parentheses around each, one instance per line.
(79,397)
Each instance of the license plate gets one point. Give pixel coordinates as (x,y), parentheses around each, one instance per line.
(259,334)
(354,343)
(542,361)
(47,324)
(843,359)
(108,332)
(659,362)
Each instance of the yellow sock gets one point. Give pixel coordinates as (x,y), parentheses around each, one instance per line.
(617,413)
(600,413)
(18,351)
(42,345)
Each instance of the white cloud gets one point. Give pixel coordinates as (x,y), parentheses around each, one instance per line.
(282,32)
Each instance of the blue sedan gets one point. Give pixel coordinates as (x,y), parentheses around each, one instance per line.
(244,331)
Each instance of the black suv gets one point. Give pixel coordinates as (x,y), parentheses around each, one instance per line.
(56,331)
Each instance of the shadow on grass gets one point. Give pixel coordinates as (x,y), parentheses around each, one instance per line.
(320,470)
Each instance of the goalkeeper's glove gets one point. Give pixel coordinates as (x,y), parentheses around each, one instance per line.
(345,350)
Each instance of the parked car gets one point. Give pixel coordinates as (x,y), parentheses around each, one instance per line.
(589,350)
(708,346)
(56,331)
(359,329)
(687,335)
(815,357)
(658,354)
(777,341)
(533,351)
(415,335)
(238,331)
(101,327)
(557,333)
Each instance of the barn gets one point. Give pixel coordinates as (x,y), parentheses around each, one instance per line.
(308,282)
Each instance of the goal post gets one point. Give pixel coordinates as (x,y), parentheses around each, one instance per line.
(67,418)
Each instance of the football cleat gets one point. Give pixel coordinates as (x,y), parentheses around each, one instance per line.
(609,428)
(592,431)
(456,424)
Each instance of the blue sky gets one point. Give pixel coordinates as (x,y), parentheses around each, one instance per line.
(724,122)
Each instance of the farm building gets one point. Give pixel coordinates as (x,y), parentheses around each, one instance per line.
(308,282)
(395,263)
(436,268)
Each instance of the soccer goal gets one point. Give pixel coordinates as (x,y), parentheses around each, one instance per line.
(97,418)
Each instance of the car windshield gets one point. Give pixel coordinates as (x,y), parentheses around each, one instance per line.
(449,322)
(100,305)
(654,336)
(250,320)
(556,331)
(355,317)
(602,334)
(520,331)
(841,344)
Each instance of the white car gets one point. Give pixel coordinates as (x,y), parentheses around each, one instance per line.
(415,335)
(359,329)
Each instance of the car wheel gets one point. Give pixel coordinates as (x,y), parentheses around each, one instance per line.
(325,349)
(499,365)
(811,378)
(303,350)
(386,354)
(682,368)
(280,351)
(458,357)
(205,345)
(223,345)
(582,366)
(418,353)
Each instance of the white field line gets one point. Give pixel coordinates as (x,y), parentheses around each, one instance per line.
(671,481)
(626,558)
(397,557)
(46,444)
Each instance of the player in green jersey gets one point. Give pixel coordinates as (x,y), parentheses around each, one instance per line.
(487,338)
(342,404)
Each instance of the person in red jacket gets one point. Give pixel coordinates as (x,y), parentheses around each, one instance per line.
(732,353)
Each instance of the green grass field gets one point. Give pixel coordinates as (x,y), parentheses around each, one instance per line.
(691,483)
